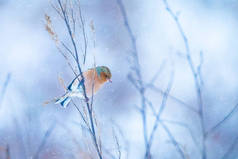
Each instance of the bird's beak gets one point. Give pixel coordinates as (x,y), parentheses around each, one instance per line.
(110,80)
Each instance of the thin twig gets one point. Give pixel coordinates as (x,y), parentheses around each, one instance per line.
(228,116)
(195,76)
(131,35)
(84,32)
(150,104)
(133,81)
(66,20)
(118,147)
(68,62)
(68,49)
(175,143)
(82,116)
(182,103)
(57,10)
(122,136)
(112,156)
(4,88)
(72,17)
(199,68)
(186,127)
(158,115)
(136,69)
(154,78)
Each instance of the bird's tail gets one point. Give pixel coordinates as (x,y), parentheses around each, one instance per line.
(63,101)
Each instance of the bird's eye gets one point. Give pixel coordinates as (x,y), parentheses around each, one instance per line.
(107,76)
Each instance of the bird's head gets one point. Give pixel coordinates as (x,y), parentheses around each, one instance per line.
(104,73)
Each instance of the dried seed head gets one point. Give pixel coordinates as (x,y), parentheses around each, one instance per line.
(49,29)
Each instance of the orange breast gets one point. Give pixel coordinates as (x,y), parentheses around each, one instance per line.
(92,82)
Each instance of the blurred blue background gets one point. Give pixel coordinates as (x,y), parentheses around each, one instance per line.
(30,56)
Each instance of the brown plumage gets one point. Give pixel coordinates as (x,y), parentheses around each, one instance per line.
(94,79)
(93,82)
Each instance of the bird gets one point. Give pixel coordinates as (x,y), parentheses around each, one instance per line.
(93,80)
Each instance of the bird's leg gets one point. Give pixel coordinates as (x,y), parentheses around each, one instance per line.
(86,99)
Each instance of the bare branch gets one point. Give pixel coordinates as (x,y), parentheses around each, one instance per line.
(112,156)
(136,69)
(66,20)
(57,10)
(200,67)
(133,81)
(84,32)
(156,89)
(4,88)
(68,49)
(72,17)
(186,127)
(151,106)
(90,113)
(158,115)
(122,136)
(154,78)
(228,116)
(133,39)
(195,76)
(85,120)
(118,147)
(175,143)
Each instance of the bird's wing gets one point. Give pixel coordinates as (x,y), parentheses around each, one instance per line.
(76,83)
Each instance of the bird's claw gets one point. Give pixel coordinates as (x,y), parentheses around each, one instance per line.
(86,99)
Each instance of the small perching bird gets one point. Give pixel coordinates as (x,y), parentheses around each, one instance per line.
(94,79)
